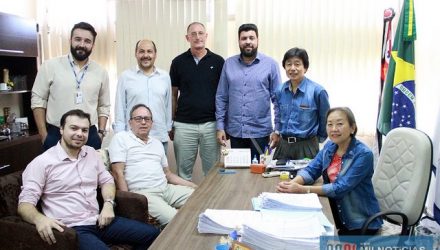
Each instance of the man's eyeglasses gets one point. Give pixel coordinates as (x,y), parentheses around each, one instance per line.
(196,34)
(139,119)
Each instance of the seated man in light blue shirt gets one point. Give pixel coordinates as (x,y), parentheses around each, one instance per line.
(246,88)
(148,85)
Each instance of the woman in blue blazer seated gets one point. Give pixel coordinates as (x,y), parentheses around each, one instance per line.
(346,166)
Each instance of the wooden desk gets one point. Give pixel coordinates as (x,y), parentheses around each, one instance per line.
(217,191)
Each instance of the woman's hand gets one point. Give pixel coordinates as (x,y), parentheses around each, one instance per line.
(290,187)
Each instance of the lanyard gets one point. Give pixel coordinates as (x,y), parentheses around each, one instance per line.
(78,82)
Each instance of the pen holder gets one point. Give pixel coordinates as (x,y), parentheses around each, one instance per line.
(257,168)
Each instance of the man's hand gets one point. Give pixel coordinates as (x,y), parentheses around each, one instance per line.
(44,227)
(171,134)
(290,187)
(221,137)
(43,136)
(107,215)
(274,140)
(193,185)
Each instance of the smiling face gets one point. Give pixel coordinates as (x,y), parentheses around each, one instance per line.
(81,44)
(141,122)
(339,129)
(75,132)
(295,69)
(248,43)
(196,36)
(145,55)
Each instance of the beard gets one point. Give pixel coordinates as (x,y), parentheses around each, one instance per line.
(80,53)
(251,53)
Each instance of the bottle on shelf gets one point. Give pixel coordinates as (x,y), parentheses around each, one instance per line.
(6,75)
(255,160)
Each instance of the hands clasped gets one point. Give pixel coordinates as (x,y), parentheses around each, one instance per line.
(289,187)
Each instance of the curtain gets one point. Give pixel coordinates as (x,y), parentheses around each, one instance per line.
(342,38)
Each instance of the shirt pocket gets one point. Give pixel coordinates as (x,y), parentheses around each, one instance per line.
(306,114)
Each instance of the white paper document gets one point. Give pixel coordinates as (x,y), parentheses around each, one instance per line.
(268,229)
(237,157)
(285,201)
(219,221)
(281,232)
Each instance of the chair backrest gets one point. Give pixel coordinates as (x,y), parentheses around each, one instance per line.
(10,188)
(402,175)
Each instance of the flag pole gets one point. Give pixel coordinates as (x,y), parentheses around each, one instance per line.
(388,16)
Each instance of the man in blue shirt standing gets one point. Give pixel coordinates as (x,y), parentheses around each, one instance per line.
(148,85)
(246,88)
(300,123)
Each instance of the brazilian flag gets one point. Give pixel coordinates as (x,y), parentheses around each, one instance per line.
(398,96)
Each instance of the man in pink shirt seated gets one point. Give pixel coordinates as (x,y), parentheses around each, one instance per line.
(65,178)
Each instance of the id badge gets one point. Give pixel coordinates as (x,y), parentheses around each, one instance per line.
(78,97)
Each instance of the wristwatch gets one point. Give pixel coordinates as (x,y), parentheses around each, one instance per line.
(111,201)
(102,132)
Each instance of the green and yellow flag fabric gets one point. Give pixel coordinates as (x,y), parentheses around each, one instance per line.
(398,96)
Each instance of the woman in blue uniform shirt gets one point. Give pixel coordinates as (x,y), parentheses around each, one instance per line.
(346,166)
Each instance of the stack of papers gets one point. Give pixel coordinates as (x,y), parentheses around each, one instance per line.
(285,221)
(225,221)
(283,233)
(287,201)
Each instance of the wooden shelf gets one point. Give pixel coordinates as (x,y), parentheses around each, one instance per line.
(18,152)
(10,92)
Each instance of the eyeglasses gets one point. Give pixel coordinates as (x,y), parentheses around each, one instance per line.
(139,119)
(196,34)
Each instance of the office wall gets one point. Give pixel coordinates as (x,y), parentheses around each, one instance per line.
(342,37)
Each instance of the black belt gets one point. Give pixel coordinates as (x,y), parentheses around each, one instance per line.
(294,139)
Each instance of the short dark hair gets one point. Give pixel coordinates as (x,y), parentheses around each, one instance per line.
(247,27)
(140,105)
(74,112)
(350,117)
(137,44)
(191,24)
(297,52)
(84,26)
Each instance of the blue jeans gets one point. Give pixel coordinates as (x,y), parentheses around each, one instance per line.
(54,136)
(120,231)
(247,143)
(188,137)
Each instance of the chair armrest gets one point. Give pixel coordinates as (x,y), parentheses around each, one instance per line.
(404,225)
(18,234)
(131,205)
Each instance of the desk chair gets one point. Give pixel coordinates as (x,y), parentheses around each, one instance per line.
(401,177)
